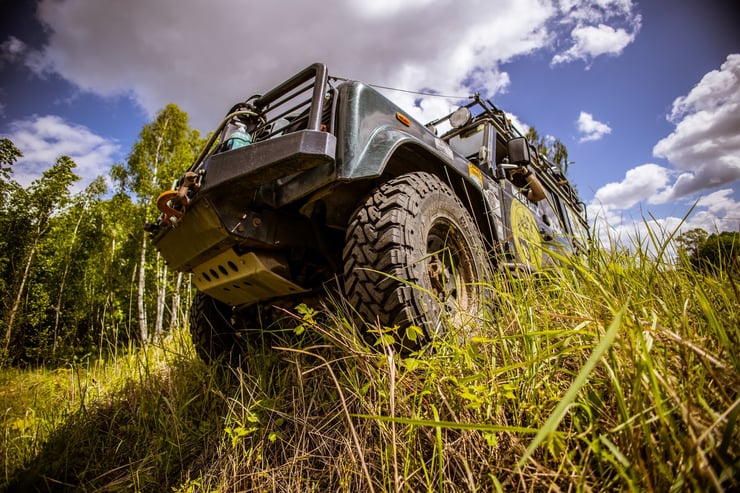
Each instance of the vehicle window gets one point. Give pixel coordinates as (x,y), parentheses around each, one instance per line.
(468,143)
(553,218)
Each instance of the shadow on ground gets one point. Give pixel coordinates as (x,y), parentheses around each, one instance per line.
(141,438)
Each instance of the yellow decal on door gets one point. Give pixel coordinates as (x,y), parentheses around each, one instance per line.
(527,239)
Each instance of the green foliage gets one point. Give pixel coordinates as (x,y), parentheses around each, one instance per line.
(689,241)
(29,218)
(69,262)
(719,252)
(550,147)
(165,149)
(609,373)
(9,154)
(710,252)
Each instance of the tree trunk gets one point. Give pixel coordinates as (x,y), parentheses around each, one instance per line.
(19,296)
(161,296)
(175,316)
(143,328)
(58,307)
(142,267)
(130,298)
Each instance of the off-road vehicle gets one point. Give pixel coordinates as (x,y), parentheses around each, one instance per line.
(324,180)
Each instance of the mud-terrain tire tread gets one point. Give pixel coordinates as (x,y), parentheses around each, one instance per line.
(382,235)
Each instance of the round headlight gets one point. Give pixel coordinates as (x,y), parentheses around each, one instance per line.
(460,117)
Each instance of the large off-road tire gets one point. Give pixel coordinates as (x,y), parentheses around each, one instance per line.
(413,256)
(211,326)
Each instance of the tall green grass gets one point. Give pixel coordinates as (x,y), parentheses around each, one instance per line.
(611,372)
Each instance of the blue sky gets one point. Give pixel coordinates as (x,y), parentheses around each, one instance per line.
(645,95)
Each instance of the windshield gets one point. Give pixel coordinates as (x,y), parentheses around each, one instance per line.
(469,142)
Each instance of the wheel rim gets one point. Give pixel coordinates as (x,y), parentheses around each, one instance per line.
(450,268)
(414,258)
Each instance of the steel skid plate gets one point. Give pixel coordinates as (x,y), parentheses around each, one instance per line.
(244,279)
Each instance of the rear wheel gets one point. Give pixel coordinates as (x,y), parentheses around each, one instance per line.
(212,328)
(413,256)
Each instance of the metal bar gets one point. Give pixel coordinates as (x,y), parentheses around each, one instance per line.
(290,110)
(319,89)
(292,95)
(317,70)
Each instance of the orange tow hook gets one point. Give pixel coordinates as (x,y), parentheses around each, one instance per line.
(163,204)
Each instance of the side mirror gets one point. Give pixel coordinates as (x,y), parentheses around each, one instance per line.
(518,149)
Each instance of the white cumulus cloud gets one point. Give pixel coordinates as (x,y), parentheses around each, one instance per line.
(592,41)
(714,213)
(705,144)
(598,27)
(704,154)
(640,183)
(14,50)
(720,202)
(717,212)
(43,139)
(590,128)
(205,56)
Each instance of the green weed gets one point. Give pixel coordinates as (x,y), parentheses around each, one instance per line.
(610,372)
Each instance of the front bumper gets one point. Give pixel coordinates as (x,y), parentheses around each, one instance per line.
(219,216)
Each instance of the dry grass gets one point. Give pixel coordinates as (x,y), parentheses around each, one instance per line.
(610,373)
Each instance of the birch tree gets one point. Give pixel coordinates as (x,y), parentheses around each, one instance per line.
(32,211)
(165,149)
(77,213)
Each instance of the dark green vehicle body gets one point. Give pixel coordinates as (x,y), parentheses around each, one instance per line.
(268,220)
